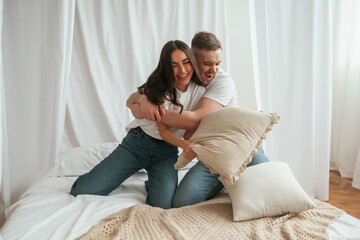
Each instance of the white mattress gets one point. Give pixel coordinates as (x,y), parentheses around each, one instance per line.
(47,211)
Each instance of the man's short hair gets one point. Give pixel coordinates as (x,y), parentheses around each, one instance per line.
(205,40)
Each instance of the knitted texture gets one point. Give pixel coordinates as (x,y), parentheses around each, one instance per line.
(211,220)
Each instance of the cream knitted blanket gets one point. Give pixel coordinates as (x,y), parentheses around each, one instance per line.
(211,220)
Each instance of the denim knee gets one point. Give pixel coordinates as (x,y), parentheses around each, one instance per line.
(73,190)
(258,158)
(190,196)
(162,176)
(81,186)
(160,197)
(77,188)
(197,185)
(184,198)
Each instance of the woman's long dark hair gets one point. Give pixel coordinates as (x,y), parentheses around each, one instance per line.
(161,83)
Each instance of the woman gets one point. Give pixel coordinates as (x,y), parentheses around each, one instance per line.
(173,84)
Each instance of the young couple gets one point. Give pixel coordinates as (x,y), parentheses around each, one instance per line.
(172,99)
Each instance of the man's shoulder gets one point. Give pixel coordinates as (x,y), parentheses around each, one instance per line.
(221,78)
(221,73)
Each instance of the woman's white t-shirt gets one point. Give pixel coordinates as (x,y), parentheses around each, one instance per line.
(188,99)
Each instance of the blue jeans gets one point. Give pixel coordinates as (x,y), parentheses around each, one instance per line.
(199,184)
(137,151)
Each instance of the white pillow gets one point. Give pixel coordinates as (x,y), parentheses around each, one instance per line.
(80,160)
(266,190)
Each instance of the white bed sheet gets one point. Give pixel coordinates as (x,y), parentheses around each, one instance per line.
(49,212)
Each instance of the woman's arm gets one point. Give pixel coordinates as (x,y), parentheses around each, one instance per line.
(171,138)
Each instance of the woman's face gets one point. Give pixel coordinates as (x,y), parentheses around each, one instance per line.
(182,69)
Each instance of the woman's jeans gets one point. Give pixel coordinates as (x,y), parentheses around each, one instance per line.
(199,184)
(137,151)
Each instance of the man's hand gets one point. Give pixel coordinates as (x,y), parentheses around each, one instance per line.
(149,110)
(136,111)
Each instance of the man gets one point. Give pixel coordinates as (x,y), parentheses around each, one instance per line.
(198,184)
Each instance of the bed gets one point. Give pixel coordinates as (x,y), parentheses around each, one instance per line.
(47,211)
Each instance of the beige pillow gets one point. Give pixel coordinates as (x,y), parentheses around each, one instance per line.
(229,138)
(267,190)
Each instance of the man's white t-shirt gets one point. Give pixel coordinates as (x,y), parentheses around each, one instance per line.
(222,89)
(188,99)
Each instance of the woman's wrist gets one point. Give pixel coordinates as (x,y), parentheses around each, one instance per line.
(185,144)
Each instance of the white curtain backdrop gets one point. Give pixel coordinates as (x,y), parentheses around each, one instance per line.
(37,39)
(4,161)
(292,66)
(69,67)
(117,45)
(345,144)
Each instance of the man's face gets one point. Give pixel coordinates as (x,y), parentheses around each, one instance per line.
(209,63)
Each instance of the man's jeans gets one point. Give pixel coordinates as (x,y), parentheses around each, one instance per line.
(199,184)
(137,151)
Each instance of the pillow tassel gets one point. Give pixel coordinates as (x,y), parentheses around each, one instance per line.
(230,181)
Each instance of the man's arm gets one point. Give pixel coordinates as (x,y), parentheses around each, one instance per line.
(186,120)
(190,119)
(133,98)
(144,108)
(188,134)
(136,111)
(219,94)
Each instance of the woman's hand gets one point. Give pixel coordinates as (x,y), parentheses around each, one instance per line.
(188,151)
